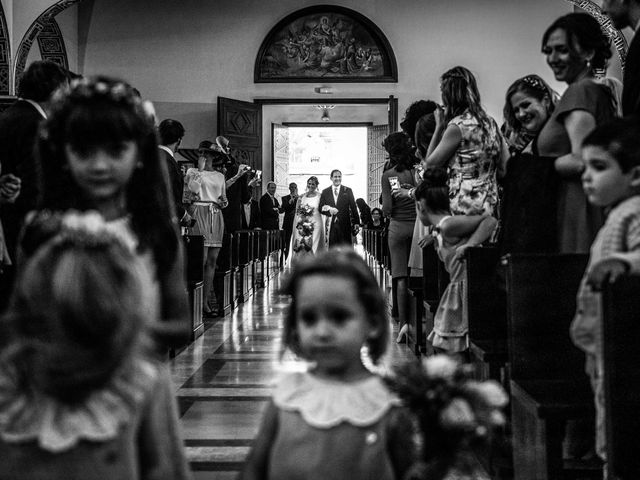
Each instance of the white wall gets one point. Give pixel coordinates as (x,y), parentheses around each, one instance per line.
(194,50)
(7,6)
(183,55)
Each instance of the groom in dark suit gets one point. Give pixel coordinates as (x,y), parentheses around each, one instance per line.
(338,203)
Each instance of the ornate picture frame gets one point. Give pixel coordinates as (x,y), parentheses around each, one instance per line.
(325,42)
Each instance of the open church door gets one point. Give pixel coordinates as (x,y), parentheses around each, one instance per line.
(280,136)
(241,123)
(376,158)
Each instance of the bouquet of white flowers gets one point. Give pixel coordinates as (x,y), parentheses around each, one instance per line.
(305,210)
(455,413)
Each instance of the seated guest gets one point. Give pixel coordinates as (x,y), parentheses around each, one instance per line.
(270,209)
(378,222)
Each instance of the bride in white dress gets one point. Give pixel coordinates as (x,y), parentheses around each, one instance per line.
(308,224)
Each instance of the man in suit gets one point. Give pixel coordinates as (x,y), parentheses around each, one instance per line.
(171,133)
(270,209)
(626,13)
(289,208)
(337,202)
(18,137)
(251,215)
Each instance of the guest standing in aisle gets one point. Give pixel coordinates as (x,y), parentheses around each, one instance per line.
(270,209)
(574,47)
(18,138)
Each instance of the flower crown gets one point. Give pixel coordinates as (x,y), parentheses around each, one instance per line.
(91,88)
(84,229)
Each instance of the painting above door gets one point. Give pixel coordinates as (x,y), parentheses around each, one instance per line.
(325,42)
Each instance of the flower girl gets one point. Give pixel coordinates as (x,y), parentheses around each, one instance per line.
(82,395)
(338,420)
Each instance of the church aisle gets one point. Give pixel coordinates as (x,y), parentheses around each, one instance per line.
(223,381)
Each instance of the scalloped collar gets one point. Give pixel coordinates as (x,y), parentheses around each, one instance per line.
(326,403)
(56,427)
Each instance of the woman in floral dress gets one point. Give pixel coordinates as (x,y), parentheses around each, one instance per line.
(308,214)
(468,143)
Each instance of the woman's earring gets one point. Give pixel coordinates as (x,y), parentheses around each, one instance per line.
(139,165)
(588,64)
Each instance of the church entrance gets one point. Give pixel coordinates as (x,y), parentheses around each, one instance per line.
(317,150)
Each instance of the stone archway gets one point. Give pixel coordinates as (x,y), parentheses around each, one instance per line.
(614,34)
(51,45)
(5,55)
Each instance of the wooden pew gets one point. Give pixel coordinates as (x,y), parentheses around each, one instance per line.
(487,313)
(262,264)
(223,279)
(621,354)
(245,264)
(548,384)
(194,272)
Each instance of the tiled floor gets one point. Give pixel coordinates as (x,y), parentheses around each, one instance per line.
(223,382)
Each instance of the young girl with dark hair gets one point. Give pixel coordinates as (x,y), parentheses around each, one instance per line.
(454,234)
(338,419)
(82,394)
(98,151)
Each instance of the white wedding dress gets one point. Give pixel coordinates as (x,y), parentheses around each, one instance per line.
(316,218)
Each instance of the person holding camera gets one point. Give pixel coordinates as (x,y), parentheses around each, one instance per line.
(207,182)
(239,188)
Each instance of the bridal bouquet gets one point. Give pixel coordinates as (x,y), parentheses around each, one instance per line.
(305,210)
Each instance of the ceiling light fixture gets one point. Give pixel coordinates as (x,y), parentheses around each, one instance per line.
(325,111)
(323,90)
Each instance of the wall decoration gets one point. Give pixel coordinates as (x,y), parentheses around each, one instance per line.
(616,36)
(51,43)
(5,55)
(31,36)
(325,42)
